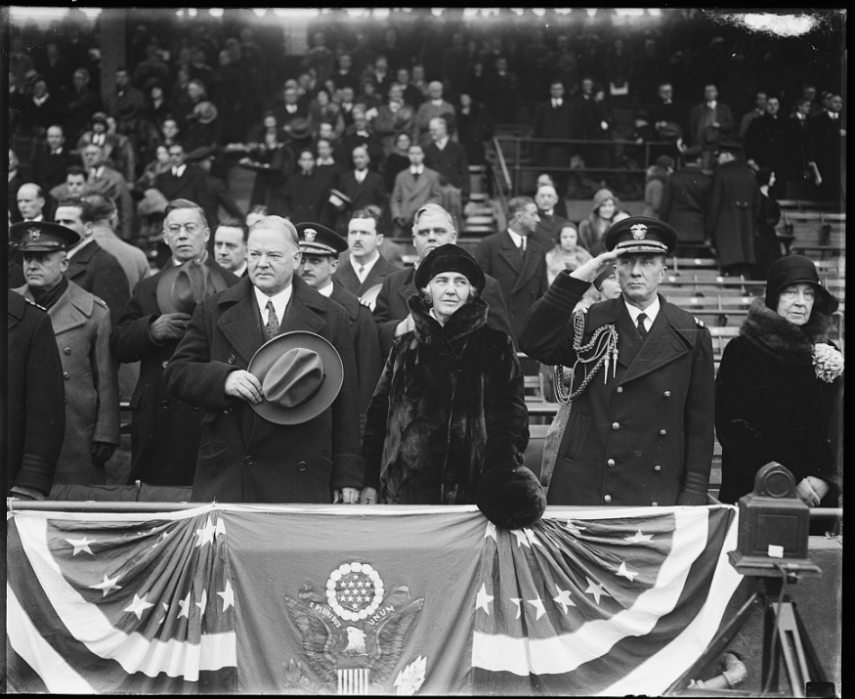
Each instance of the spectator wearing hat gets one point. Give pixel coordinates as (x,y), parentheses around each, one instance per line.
(779,389)
(123,160)
(734,207)
(182,180)
(270,363)
(640,431)
(363,269)
(230,246)
(164,430)
(89,266)
(517,260)
(414,187)
(432,226)
(110,182)
(709,122)
(218,196)
(35,400)
(305,192)
(52,159)
(448,423)
(321,248)
(81,327)
(685,203)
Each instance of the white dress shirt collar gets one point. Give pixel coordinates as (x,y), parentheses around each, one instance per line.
(651,312)
(280,302)
(365,266)
(326,290)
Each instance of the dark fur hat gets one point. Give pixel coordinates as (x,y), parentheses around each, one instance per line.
(511,498)
(796,269)
(449,258)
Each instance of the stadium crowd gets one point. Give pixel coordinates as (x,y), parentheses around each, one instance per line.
(126,228)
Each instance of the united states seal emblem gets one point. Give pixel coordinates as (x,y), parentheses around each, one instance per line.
(353,633)
(34,233)
(639,230)
(309,235)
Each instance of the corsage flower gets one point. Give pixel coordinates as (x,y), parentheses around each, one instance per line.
(828,362)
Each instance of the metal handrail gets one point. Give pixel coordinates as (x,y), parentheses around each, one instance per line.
(503,166)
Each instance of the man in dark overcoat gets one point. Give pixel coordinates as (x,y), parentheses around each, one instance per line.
(363,267)
(685,202)
(432,227)
(244,457)
(517,259)
(640,431)
(164,431)
(734,208)
(35,400)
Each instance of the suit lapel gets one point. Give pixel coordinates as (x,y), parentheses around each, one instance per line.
(408,288)
(662,346)
(303,310)
(510,253)
(69,312)
(534,253)
(241,322)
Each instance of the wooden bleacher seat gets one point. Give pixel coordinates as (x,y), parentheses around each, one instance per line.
(813,231)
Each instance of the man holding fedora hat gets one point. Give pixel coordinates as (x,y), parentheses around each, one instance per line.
(321,247)
(641,428)
(270,363)
(165,431)
(81,326)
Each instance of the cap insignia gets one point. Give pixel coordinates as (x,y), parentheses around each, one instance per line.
(35,234)
(639,230)
(309,235)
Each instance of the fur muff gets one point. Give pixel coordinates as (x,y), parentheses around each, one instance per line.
(450,404)
(511,498)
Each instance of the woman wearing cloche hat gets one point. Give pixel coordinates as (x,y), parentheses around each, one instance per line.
(448,422)
(779,388)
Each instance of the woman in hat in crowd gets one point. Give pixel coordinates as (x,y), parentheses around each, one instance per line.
(448,422)
(591,230)
(779,388)
(568,253)
(767,247)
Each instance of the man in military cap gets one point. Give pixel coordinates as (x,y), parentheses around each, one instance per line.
(641,428)
(321,248)
(81,327)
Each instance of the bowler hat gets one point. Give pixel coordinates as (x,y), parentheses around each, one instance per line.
(797,269)
(181,287)
(42,236)
(316,239)
(449,258)
(301,374)
(298,128)
(641,234)
(339,199)
(205,112)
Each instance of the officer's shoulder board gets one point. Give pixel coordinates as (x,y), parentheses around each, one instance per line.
(699,322)
(98,300)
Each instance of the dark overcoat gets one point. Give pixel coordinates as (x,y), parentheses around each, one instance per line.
(449,405)
(640,436)
(35,397)
(393,305)
(770,405)
(347,275)
(164,430)
(685,203)
(734,206)
(97,271)
(522,278)
(243,457)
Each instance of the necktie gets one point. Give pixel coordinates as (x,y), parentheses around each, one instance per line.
(416,175)
(361,271)
(641,329)
(272,327)
(522,244)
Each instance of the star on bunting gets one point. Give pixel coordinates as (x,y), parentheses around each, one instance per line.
(138,606)
(516,601)
(185,607)
(626,572)
(107,585)
(205,535)
(574,527)
(220,529)
(537,603)
(203,602)
(563,598)
(81,545)
(483,599)
(638,538)
(490,531)
(228,596)
(522,538)
(596,589)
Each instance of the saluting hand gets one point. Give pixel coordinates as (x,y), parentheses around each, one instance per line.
(589,270)
(241,384)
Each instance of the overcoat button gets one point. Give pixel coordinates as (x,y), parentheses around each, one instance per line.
(67,350)
(667,394)
(227,411)
(663,432)
(302,466)
(619,389)
(607,499)
(164,404)
(231,359)
(164,363)
(615,425)
(248,460)
(657,468)
(195,407)
(66,375)
(610,463)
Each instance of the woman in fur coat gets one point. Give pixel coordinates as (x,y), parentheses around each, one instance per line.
(778,389)
(448,422)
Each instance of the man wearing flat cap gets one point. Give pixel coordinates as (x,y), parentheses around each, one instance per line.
(165,431)
(640,431)
(321,248)
(270,363)
(81,327)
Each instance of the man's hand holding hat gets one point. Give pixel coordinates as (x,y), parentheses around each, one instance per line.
(241,384)
(169,326)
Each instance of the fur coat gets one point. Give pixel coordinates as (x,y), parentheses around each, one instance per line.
(770,405)
(449,405)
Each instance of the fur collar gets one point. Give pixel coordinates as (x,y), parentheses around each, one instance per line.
(774,335)
(467,319)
